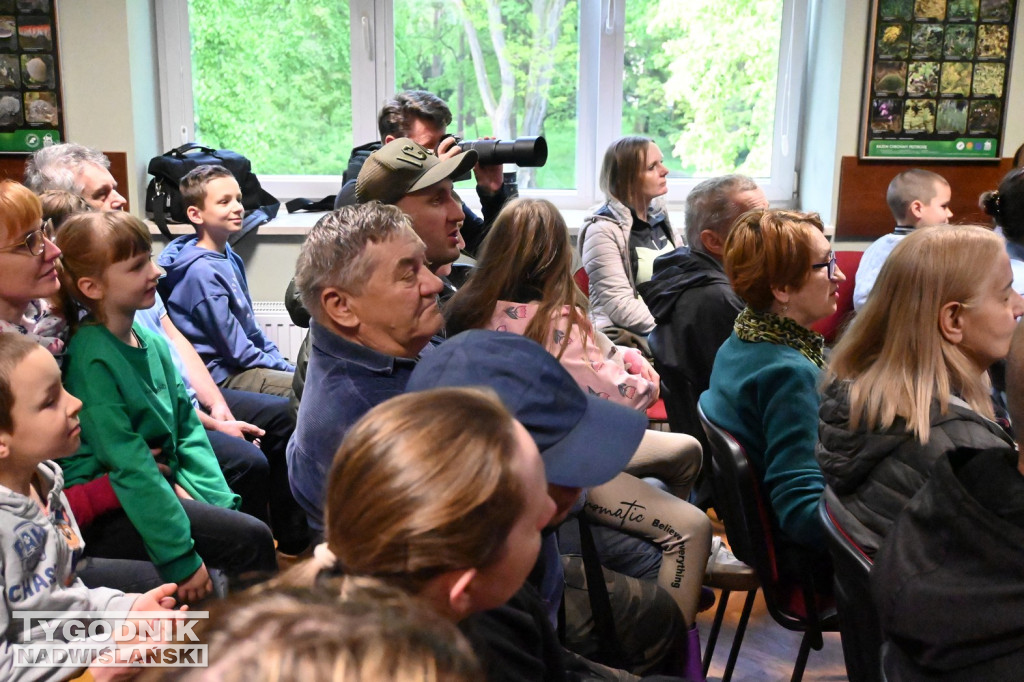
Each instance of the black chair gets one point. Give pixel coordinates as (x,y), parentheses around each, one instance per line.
(728,585)
(858,619)
(789,581)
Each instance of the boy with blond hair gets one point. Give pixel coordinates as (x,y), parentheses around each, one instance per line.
(207,293)
(916,198)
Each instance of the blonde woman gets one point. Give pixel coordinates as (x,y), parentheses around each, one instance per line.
(619,242)
(418,502)
(907,383)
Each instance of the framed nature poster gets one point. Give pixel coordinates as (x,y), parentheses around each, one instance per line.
(937,78)
(31,111)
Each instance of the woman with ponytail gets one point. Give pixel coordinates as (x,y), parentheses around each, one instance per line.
(1006,206)
(417,501)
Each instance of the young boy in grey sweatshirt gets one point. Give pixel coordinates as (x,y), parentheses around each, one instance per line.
(39,540)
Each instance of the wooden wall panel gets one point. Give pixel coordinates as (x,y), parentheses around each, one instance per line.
(863,213)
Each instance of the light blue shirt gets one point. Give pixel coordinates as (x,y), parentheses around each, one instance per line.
(870,265)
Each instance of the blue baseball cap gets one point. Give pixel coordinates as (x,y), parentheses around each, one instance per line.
(584,440)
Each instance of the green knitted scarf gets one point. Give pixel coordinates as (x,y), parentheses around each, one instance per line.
(758,327)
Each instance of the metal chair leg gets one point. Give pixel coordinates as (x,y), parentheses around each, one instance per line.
(737,640)
(709,649)
(801,658)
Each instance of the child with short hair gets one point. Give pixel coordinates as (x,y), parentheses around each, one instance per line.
(59,205)
(178,509)
(40,542)
(916,198)
(207,293)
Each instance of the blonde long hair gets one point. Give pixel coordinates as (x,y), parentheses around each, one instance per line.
(527,256)
(295,635)
(893,354)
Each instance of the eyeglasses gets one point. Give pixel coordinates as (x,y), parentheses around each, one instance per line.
(830,264)
(34,241)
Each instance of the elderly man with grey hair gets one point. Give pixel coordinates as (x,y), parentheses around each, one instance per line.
(76,169)
(365,279)
(691,298)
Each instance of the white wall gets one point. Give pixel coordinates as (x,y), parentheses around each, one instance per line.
(111,101)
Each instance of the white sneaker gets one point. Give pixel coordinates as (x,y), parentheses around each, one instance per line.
(727,572)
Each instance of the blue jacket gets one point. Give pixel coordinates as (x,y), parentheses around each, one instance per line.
(766,396)
(208,300)
(343,382)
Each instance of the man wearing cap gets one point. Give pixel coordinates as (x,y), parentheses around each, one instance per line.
(584,441)
(412,178)
(364,276)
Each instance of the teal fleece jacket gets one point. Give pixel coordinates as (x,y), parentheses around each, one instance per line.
(134,400)
(766,396)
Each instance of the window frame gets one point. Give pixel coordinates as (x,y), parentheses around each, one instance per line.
(599,96)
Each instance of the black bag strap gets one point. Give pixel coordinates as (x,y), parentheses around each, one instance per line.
(312,205)
(158,212)
(190,146)
(600,603)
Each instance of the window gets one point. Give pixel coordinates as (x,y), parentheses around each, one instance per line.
(296,85)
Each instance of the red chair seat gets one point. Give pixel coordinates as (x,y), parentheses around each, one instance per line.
(656,412)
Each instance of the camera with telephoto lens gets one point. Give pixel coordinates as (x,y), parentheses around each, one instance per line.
(522,151)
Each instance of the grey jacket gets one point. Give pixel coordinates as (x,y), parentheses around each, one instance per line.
(604,249)
(38,552)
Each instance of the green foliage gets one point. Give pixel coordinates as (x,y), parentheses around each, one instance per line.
(724,65)
(272,80)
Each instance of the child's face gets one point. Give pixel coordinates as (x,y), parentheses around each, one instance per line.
(44,415)
(936,211)
(222,210)
(130,285)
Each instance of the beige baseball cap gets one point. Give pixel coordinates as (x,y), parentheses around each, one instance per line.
(402,166)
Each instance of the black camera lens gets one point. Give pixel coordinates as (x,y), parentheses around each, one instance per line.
(522,151)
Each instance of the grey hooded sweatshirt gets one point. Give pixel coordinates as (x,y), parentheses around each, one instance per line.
(38,552)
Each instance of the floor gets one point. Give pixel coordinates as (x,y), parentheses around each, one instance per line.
(768,650)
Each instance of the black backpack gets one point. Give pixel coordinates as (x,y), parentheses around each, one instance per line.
(163,199)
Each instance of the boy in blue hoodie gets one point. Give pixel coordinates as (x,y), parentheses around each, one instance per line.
(207,293)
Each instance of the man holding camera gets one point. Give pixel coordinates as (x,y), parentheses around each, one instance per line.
(424,118)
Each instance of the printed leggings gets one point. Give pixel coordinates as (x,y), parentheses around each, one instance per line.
(681,531)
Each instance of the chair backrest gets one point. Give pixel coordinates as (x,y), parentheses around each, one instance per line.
(858,619)
(582,280)
(741,502)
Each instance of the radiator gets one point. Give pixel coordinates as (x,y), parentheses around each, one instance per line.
(272,317)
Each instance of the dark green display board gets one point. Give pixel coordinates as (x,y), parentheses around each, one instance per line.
(937,78)
(31,109)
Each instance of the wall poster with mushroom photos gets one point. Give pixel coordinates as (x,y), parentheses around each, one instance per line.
(936,79)
(31,112)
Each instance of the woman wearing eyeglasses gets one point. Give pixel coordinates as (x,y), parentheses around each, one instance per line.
(28,272)
(764,383)
(908,383)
